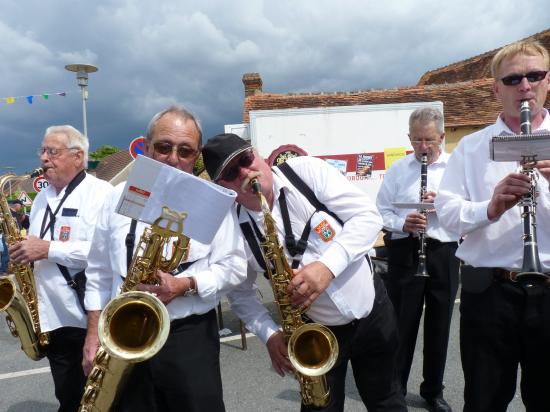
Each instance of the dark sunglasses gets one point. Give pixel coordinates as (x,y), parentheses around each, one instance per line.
(165,148)
(532,77)
(231,173)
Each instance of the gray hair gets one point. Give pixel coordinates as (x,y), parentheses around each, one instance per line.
(180,111)
(75,139)
(425,115)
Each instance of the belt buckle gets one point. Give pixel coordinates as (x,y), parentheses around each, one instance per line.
(505,274)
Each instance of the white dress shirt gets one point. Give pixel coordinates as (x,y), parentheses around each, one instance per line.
(464,194)
(218,266)
(402,185)
(73,230)
(350,295)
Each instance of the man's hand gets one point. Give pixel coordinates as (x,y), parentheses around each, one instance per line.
(91,343)
(415,222)
(277,348)
(308,283)
(543,167)
(29,250)
(429,197)
(507,194)
(168,288)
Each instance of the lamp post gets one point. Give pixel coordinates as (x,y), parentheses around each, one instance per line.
(82,71)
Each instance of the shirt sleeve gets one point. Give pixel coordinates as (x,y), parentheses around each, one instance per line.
(386,196)
(227,261)
(456,212)
(246,304)
(362,222)
(99,272)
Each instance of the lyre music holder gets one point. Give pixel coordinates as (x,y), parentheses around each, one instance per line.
(525,148)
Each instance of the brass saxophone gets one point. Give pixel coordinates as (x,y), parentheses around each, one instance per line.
(134,326)
(20,305)
(312,348)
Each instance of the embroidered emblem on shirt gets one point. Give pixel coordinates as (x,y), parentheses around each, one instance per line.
(64,233)
(325,231)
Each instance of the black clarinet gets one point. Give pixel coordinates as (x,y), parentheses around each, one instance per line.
(531,270)
(421,270)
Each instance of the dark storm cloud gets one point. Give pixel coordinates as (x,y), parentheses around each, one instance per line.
(151,54)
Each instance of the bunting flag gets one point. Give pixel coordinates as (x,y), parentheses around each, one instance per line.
(30,97)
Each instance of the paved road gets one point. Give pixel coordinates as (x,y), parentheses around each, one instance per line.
(249,383)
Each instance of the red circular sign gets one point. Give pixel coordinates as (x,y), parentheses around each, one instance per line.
(40,183)
(137,146)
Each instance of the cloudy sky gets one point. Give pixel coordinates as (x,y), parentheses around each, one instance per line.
(153,53)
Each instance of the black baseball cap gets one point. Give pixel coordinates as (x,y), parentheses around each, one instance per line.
(220,150)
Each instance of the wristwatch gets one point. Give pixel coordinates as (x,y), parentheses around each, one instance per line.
(192,287)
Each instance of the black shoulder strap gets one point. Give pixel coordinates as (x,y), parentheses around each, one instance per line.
(248,234)
(130,242)
(304,189)
(48,212)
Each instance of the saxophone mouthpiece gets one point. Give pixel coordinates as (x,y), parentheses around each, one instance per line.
(251,181)
(37,172)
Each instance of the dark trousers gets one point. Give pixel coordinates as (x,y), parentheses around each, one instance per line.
(370,344)
(183,376)
(409,294)
(501,327)
(65,356)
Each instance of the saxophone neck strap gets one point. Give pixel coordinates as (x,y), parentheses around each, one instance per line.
(49,217)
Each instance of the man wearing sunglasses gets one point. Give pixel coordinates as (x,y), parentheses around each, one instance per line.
(411,294)
(504,322)
(333,281)
(62,224)
(185,374)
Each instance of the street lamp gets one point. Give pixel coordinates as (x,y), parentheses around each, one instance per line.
(82,71)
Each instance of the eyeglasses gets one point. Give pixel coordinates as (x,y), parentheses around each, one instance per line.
(165,148)
(426,142)
(231,173)
(52,151)
(532,77)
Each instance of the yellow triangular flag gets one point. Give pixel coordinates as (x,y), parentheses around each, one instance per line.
(10,100)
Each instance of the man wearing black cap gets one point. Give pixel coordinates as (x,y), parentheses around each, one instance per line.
(332,278)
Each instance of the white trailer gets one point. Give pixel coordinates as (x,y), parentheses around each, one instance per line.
(361,141)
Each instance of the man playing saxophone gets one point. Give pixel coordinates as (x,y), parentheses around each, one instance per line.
(185,373)
(332,280)
(62,223)
(412,294)
(504,322)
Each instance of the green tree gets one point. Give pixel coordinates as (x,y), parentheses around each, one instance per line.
(102,152)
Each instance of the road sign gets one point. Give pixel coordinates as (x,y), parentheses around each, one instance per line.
(137,146)
(40,183)
(25,199)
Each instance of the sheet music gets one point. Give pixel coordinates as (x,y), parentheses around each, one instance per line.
(152,185)
(506,148)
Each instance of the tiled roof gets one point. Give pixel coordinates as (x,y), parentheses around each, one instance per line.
(465,104)
(111,165)
(477,67)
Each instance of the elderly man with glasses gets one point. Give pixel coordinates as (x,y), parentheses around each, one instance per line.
(332,281)
(422,270)
(504,321)
(185,374)
(62,224)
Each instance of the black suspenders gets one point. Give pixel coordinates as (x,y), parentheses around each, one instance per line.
(294,248)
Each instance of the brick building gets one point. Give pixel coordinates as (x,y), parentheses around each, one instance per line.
(465,88)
